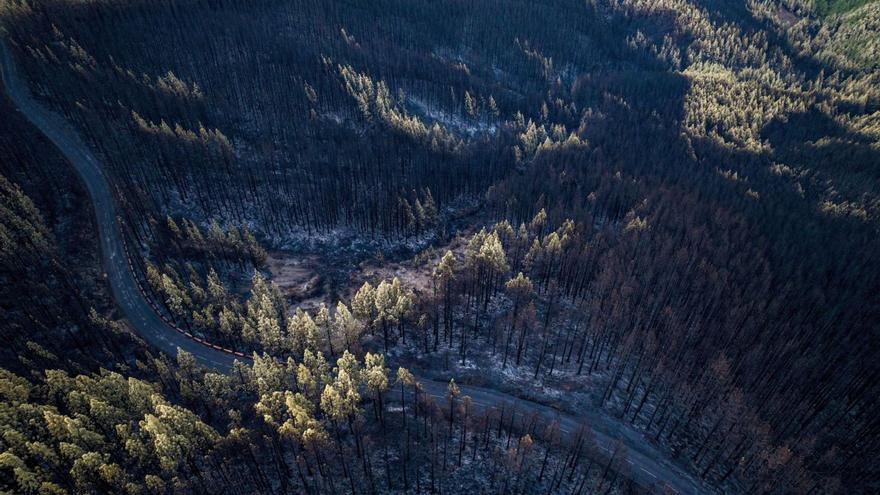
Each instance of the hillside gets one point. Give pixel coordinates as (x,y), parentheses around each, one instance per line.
(612,246)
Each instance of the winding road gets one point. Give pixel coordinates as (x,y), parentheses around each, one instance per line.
(647,465)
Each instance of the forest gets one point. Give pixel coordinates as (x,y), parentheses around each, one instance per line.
(405,246)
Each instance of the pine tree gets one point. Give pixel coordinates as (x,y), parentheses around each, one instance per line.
(443,276)
(346,325)
(391,306)
(303,333)
(324,324)
(363,305)
(376,378)
(452,393)
(519,289)
(470,105)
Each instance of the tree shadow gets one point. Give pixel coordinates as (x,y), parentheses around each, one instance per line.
(815,140)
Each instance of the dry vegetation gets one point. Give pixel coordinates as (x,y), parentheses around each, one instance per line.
(668,209)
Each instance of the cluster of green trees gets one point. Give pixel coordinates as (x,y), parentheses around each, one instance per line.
(277,428)
(375,101)
(263,322)
(93,433)
(189,240)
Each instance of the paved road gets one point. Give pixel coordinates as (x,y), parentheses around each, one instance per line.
(116,268)
(647,465)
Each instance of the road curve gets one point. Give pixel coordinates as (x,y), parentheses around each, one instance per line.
(116,269)
(646,464)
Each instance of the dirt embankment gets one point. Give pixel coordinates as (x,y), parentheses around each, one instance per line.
(305,279)
(297,276)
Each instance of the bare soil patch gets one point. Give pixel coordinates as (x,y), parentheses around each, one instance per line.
(296,276)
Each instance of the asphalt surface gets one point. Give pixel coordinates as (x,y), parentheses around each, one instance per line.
(116,269)
(646,465)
